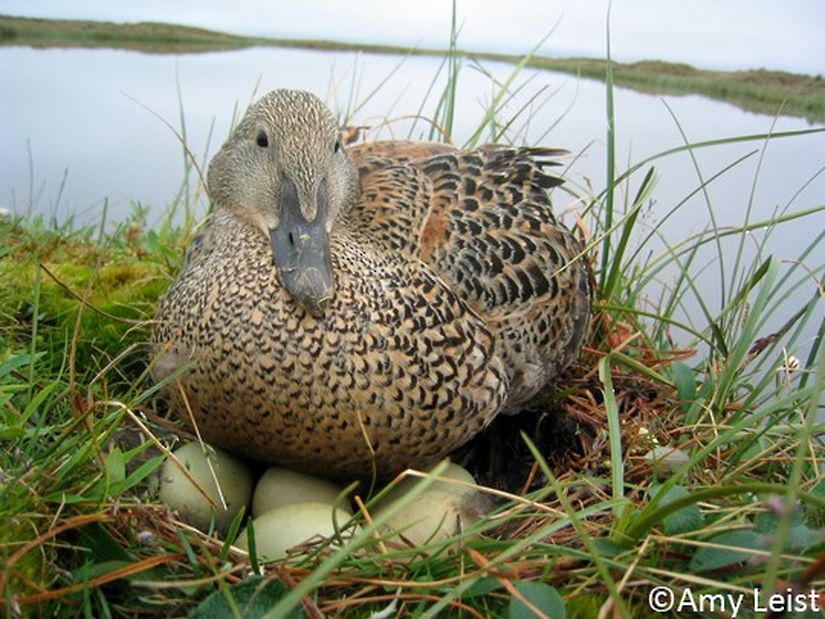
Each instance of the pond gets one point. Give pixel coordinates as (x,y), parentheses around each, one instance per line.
(80,128)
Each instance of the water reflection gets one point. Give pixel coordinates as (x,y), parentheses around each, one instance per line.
(76,111)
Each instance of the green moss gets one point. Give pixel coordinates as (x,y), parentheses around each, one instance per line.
(120,289)
(31,567)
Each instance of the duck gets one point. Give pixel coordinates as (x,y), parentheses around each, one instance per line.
(357,310)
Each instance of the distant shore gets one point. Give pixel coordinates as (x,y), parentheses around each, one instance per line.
(756,90)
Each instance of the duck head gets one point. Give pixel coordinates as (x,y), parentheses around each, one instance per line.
(283,170)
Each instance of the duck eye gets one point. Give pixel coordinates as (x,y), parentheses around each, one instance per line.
(261,140)
(337,146)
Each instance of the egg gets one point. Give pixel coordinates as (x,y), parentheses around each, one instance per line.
(436,514)
(179,494)
(280,486)
(453,471)
(287,526)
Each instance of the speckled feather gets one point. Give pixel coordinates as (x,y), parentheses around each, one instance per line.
(482,221)
(456,298)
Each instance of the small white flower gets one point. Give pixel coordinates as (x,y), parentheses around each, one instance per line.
(784,372)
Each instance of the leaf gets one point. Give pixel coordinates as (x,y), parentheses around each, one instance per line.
(36,402)
(685,381)
(116,466)
(707,559)
(253,598)
(539,594)
(232,534)
(689,518)
(142,472)
(482,586)
(11,433)
(800,536)
(608,548)
(17,361)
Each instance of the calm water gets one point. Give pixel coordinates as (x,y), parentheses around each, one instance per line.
(639,29)
(72,134)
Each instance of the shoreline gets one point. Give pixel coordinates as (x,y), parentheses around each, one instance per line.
(757,90)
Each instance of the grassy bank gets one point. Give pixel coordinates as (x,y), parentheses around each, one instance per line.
(653,467)
(757,90)
(145,37)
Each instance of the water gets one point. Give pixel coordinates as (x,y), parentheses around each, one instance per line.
(73,134)
(640,29)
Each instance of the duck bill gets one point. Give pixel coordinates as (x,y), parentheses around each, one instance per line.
(301,252)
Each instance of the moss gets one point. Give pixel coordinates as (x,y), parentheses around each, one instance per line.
(31,567)
(121,284)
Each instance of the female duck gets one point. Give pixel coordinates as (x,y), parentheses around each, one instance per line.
(361,312)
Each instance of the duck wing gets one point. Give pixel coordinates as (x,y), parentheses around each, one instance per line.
(482,220)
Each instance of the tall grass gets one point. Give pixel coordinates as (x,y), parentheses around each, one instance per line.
(697,472)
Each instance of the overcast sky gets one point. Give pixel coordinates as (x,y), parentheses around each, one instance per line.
(722,34)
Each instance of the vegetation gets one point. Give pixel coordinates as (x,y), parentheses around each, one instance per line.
(148,37)
(692,468)
(757,90)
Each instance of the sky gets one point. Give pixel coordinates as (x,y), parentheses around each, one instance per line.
(714,34)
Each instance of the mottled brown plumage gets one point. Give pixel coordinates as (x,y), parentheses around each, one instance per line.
(448,294)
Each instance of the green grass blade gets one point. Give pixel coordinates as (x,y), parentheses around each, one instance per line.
(611,159)
(614,428)
(628,226)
